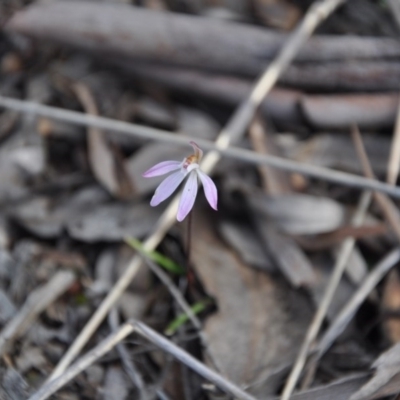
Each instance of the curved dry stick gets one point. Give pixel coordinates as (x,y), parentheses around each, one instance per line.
(234,129)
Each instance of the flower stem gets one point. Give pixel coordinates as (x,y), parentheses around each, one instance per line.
(189,272)
(188,240)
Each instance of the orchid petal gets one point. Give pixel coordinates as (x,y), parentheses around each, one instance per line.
(162,168)
(188,197)
(167,187)
(210,189)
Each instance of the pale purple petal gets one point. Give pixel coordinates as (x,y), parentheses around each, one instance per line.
(210,189)
(188,197)
(162,168)
(167,187)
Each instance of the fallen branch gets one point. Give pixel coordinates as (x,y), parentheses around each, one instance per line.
(127,31)
(329,111)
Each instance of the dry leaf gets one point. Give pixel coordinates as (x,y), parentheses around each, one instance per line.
(337,151)
(299,213)
(335,111)
(278,14)
(105,160)
(115,384)
(244,240)
(289,257)
(258,324)
(114,222)
(387,370)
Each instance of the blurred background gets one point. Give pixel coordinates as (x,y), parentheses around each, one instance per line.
(255,271)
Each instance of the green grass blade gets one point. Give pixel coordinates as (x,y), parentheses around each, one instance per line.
(183,318)
(155,256)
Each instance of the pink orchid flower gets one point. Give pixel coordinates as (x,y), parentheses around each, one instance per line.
(189,166)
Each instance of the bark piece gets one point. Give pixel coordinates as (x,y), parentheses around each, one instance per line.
(184,40)
(281,105)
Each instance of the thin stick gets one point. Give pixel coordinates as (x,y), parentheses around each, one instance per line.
(107,344)
(248,156)
(182,303)
(313,330)
(130,369)
(234,129)
(37,302)
(191,362)
(394,158)
(351,307)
